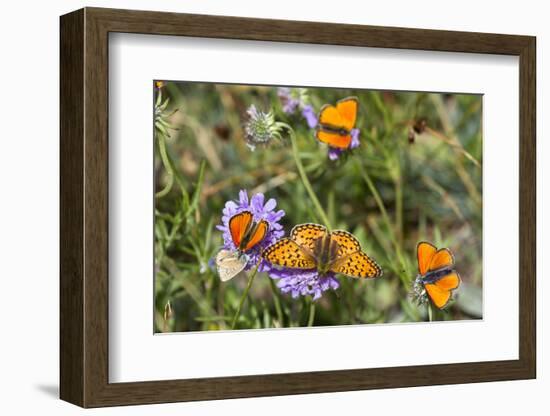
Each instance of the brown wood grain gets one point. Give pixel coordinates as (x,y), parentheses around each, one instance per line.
(84,207)
(71,213)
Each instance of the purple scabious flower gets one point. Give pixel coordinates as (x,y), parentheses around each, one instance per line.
(299,282)
(309,114)
(334,153)
(289,102)
(261,210)
(294,99)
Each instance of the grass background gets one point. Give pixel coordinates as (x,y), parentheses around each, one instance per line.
(429,187)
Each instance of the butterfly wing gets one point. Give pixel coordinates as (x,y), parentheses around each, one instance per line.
(238,224)
(259,234)
(347,108)
(439,297)
(330,116)
(357,265)
(441,259)
(305,235)
(347,243)
(229,264)
(333,139)
(288,253)
(450,281)
(424,252)
(335,118)
(440,291)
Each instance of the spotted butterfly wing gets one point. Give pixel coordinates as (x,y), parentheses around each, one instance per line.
(351,260)
(288,253)
(305,235)
(357,265)
(347,243)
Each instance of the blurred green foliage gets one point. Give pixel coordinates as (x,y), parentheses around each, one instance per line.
(429,182)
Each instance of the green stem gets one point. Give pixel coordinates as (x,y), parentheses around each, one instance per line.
(382,108)
(430,312)
(385,216)
(398,181)
(166,162)
(311,316)
(305,181)
(245,294)
(277,302)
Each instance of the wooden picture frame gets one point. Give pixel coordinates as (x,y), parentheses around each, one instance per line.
(84,207)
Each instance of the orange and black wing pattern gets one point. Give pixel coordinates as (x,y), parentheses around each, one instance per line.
(257,236)
(357,265)
(441,290)
(305,235)
(424,252)
(238,226)
(245,233)
(287,253)
(336,123)
(431,261)
(351,260)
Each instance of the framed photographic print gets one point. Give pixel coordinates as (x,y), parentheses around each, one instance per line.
(259,207)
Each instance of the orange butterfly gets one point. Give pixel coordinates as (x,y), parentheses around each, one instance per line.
(311,246)
(336,123)
(437,273)
(246,234)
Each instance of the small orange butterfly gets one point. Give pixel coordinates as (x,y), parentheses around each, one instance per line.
(246,234)
(311,246)
(437,273)
(336,123)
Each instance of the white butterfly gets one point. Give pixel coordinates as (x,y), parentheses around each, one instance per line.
(230,264)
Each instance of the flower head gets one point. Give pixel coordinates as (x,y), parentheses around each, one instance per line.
(289,99)
(161,112)
(260,128)
(261,210)
(300,282)
(294,99)
(334,153)
(309,114)
(418,293)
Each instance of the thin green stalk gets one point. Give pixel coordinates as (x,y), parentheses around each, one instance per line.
(277,302)
(189,287)
(305,181)
(311,316)
(245,294)
(385,216)
(382,108)
(170,238)
(398,183)
(430,312)
(166,162)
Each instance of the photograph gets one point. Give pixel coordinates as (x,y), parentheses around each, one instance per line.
(291,206)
